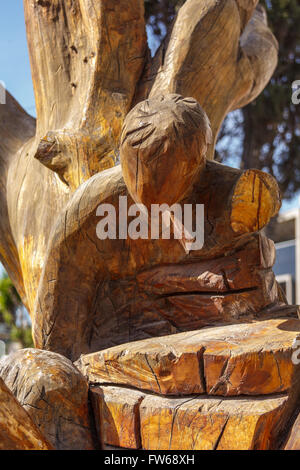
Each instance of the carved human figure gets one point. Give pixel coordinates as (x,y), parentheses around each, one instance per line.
(84,293)
(149,287)
(100,96)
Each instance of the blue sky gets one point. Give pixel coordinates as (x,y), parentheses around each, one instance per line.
(14,61)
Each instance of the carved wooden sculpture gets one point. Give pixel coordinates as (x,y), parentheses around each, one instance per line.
(99,96)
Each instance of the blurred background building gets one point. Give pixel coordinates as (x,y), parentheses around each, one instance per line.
(285,231)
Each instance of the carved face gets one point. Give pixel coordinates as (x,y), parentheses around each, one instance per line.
(163,146)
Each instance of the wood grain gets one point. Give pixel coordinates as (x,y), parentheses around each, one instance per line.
(116,412)
(246,359)
(89,65)
(17,430)
(16,127)
(86,59)
(54,394)
(191,423)
(293,441)
(209,423)
(107,281)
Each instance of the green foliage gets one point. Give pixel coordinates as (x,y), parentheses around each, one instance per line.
(10,303)
(22,335)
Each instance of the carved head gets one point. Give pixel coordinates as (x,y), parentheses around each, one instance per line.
(163,146)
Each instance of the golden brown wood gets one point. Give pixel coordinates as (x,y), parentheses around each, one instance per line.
(209,423)
(16,127)
(191,423)
(54,394)
(246,359)
(112,269)
(90,66)
(86,59)
(255,201)
(17,430)
(87,63)
(253,360)
(168,365)
(116,411)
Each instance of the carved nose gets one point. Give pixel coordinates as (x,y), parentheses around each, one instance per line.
(163,146)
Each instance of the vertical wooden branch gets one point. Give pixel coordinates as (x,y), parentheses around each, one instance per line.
(16,127)
(86,59)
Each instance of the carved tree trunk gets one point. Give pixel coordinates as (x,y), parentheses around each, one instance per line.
(90,66)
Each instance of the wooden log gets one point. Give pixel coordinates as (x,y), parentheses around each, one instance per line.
(16,127)
(255,200)
(54,394)
(246,359)
(160,365)
(201,422)
(17,429)
(210,423)
(258,361)
(116,412)
(190,423)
